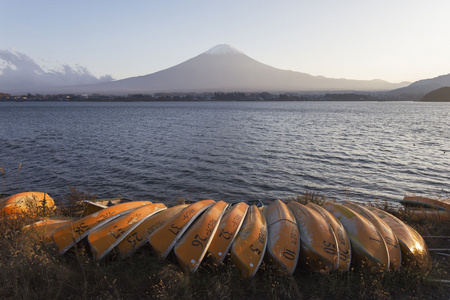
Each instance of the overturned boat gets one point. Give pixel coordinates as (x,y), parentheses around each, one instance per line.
(316,238)
(368,246)
(27,203)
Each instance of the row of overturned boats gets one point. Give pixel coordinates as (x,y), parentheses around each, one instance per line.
(330,237)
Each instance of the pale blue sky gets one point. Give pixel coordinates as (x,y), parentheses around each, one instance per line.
(394,40)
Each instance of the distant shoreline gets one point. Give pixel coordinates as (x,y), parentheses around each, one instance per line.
(209,97)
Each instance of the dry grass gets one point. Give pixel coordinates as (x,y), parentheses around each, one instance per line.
(73,201)
(306,197)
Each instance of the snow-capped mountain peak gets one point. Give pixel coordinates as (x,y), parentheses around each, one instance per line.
(223,49)
(19,72)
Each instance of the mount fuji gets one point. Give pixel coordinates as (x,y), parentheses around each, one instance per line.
(226,69)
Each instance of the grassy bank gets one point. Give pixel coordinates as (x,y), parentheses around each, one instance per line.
(33,270)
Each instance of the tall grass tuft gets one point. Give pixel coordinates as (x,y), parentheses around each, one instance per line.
(306,197)
(2,195)
(73,201)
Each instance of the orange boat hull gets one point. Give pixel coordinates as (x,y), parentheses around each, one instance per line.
(166,236)
(139,235)
(343,241)
(45,228)
(368,246)
(395,253)
(67,236)
(283,243)
(26,203)
(103,239)
(227,232)
(414,249)
(250,244)
(319,247)
(194,244)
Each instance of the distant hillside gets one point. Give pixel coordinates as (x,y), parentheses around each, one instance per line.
(439,95)
(418,89)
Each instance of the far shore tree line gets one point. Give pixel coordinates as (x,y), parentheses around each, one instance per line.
(216,96)
(441,95)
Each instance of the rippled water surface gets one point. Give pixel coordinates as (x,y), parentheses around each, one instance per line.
(230,151)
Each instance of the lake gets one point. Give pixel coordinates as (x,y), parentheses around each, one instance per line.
(232,151)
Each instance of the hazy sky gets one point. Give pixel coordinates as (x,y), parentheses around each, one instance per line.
(394,40)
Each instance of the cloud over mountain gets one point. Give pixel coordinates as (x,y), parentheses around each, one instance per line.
(18,72)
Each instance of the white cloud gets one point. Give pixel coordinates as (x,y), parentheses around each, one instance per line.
(19,71)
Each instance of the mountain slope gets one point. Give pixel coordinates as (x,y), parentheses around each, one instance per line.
(223,68)
(440,95)
(420,88)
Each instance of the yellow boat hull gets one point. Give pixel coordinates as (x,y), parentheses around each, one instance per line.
(395,253)
(103,239)
(67,236)
(227,232)
(193,245)
(165,237)
(368,246)
(318,244)
(283,243)
(414,249)
(250,244)
(343,241)
(137,237)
